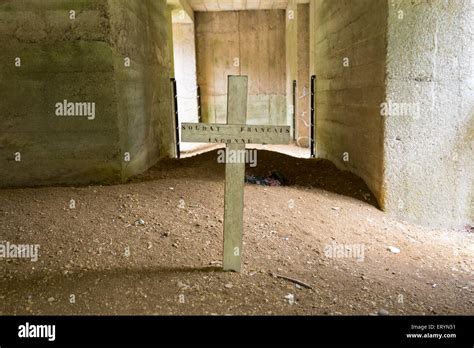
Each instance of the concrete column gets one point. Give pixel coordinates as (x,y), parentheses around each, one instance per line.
(312,36)
(429,127)
(304,86)
(312,58)
(116,57)
(291,56)
(169,24)
(395,102)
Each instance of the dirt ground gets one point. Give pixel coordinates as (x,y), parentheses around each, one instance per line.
(154,246)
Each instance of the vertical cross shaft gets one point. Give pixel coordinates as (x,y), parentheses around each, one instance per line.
(237,89)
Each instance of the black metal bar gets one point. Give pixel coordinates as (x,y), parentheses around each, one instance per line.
(313,111)
(199,103)
(176,119)
(294,109)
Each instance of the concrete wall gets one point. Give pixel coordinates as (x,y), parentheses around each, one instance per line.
(429,156)
(184,49)
(60,59)
(139,30)
(415,55)
(349,129)
(304,83)
(242,43)
(81,60)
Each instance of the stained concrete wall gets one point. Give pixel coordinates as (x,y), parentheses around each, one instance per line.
(411,54)
(242,43)
(60,59)
(303,83)
(429,172)
(81,60)
(139,30)
(349,47)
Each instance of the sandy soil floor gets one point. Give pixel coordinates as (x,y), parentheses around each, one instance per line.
(153,246)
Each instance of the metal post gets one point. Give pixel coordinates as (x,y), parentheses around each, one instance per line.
(313,111)
(176,119)
(199,103)
(294,109)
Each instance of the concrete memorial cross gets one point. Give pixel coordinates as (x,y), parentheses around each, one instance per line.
(235,134)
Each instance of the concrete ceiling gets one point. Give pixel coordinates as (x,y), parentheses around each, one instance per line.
(239,5)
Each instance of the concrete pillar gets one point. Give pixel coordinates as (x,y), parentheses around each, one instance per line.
(303,85)
(110,53)
(312,58)
(429,128)
(169,24)
(291,55)
(395,102)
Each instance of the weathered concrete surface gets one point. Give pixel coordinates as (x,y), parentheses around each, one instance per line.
(428,169)
(60,59)
(237,5)
(349,128)
(139,30)
(242,43)
(304,85)
(182,12)
(80,60)
(419,164)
